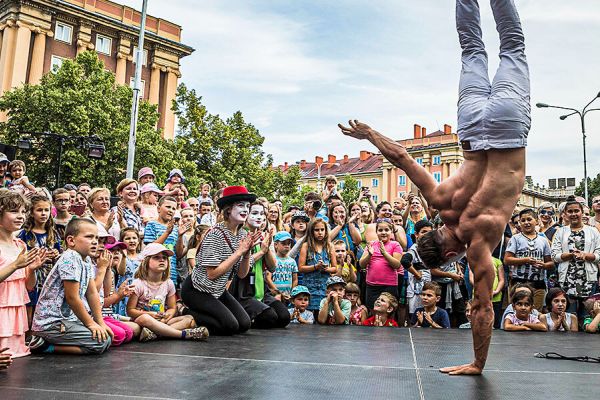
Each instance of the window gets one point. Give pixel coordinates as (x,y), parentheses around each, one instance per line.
(374,182)
(400,194)
(144,57)
(359,183)
(437,176)
(341,185)
(142,86)
(103,44)
(375,198)
(437,160)
(63,32)
(55,63)
(402,180)
(419,161)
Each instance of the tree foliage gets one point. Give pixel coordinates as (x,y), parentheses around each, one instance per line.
(79,100)
(593,187)
(351,189)
(227,150)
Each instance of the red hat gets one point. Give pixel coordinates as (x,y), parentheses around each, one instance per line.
(232,194)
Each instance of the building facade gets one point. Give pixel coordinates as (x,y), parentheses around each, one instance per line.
(438,152)
(366,169)
(37,35)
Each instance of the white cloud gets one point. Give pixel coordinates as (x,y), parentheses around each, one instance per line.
(296,69)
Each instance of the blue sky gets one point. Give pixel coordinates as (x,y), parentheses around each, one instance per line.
(297,68)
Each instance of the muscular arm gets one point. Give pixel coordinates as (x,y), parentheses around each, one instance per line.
(396,154)
(482,314)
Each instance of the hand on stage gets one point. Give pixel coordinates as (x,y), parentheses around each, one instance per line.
(467,369)
(5,359)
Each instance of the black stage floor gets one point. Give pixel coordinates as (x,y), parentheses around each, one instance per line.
(315,362)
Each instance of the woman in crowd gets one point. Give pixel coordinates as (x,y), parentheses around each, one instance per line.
(128,209)
(342,227)
(99,205)
(274,217)
(547,224)
(414,213)
(576,249)
(225,251)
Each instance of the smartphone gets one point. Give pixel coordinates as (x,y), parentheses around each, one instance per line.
(77,209)
(364,188)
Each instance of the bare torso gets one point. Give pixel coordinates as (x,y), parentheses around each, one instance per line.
(478,200)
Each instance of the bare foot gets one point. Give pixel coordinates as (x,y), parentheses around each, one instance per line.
(466,369)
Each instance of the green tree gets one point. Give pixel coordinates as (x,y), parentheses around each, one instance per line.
(76,101)
(297,197)
(351,190)
(593,187)
(223,150)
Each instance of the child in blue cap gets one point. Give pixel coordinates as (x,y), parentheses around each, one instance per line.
(299,314)
(285,277)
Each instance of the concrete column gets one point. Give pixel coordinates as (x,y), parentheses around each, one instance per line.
(121,68)
(6,57)
(154,84)
(169,93)
(21,56)
(37,57)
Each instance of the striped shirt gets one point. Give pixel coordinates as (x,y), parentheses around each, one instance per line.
(213,251)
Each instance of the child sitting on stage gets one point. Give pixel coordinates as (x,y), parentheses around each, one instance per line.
(523,319)
(300,298)
(61,322)
(384,307)
(430,315)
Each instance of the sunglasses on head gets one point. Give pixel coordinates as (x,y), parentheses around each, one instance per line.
(549,213)
(596,201)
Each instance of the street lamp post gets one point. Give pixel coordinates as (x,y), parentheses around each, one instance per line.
(582,115)
(136,93)
(319,189)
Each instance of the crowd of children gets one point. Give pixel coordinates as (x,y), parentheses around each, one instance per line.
(79,274)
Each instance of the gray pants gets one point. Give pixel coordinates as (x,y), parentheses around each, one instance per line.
(496,115)
(70,333)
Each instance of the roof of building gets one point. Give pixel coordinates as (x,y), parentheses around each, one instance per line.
(351,165)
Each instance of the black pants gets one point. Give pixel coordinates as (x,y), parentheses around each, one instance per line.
(276,316)
(222,316)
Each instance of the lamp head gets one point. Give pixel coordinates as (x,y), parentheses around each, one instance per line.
(542,105)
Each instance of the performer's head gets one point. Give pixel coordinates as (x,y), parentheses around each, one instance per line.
(439,247)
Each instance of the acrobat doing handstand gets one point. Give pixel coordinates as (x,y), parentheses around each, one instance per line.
(476,202)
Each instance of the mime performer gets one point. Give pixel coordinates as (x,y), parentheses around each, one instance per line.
(477,201)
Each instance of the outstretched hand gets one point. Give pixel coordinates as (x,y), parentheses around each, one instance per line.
(357,129)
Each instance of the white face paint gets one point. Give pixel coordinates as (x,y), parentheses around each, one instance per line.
(257,216)
(239,212)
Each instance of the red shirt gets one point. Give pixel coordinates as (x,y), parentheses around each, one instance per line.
(388,322)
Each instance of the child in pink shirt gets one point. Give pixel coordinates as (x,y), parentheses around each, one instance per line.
(382,261)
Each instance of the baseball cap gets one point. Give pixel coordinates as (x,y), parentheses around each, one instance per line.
(3,158)
(282,237)
(298,290)
(153,249)
(176,171)
(333,280)
(300,215)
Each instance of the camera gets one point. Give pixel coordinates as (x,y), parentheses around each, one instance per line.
(316,205)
